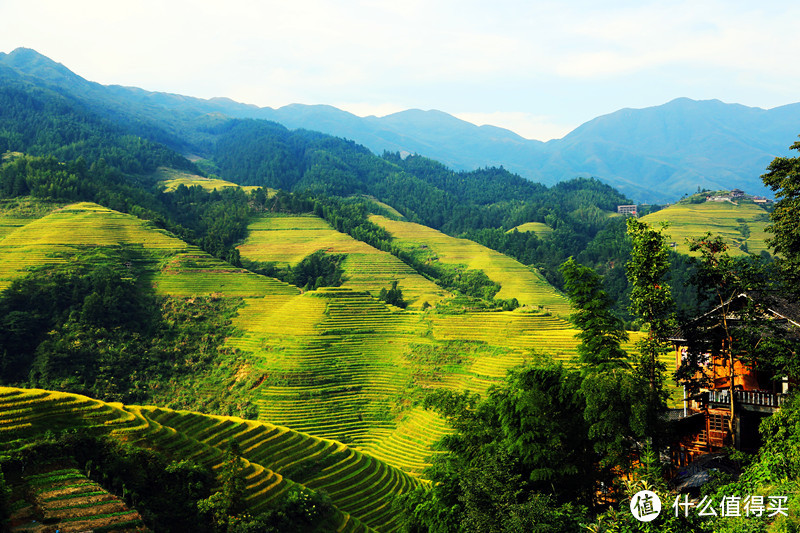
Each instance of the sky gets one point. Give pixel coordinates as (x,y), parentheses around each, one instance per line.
(539,68)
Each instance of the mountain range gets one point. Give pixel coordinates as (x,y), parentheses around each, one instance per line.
(655,154)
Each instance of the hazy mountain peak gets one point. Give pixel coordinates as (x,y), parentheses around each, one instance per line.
(35,64)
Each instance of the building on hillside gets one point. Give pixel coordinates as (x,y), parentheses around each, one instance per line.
(627,210)
(761,200)
(737,193)
(704,423)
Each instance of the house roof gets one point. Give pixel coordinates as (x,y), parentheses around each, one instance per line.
(776,305)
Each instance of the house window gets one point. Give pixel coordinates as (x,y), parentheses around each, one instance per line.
(716,423)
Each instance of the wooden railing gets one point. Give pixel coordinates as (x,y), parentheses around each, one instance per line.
(754,397)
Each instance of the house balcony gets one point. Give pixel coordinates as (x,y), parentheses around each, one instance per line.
(755,400)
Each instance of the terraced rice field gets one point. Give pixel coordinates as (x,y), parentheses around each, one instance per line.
(516,280)
(193,272)
(174,267)
(330,361)
(286,240)
(275,457)
(64,498)
(720,218)
(17,212)
(171,179)
(333,363)
(338,364)
(63,232)
(385,207)
(538,228)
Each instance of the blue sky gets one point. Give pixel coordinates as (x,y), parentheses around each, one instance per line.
(539,68)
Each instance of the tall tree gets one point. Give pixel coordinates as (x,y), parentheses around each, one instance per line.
(651,300)
(611,391)
(601,331)
(783,177)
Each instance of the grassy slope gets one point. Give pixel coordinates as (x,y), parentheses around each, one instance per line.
(720,218)
(537,227)
(516,280)
(288,239)
(171,179)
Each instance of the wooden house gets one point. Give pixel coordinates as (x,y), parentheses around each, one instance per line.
(732,394)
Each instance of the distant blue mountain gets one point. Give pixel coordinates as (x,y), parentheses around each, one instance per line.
(654,154)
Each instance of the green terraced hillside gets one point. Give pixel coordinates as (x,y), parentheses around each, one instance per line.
(516,280)
(171,179)
(286,240)
(61,496)
(538,228)
(174,267)
(276,458)
(742,225)
(334,363)
(17,212)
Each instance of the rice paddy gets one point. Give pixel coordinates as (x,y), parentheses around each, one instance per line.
(61,496)
(171,179)
(340,368)
(275,458)
(172,266)
(741,226)
(538,228)
(516,280)
(286,240)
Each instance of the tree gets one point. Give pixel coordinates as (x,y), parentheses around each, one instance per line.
(228,501)
(651,300)
(5,496)
(783,177)
(522,449)
(601,331)
(393,296)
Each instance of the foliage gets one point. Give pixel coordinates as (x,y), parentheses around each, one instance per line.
(394,296)
(783,177)
(93,325)
(616,414)
(5,498)
(500,474)
(318,269)
(651,300)
(43,122)
(601,331)
(299,510)
(227,502)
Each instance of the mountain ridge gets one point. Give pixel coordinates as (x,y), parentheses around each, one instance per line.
(653,154)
